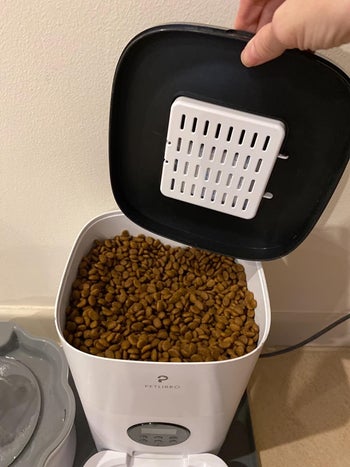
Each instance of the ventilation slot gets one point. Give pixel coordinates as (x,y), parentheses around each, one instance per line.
(252,144)
(240,183)
(207,174)
(223,157)
(212,154)
(246,163)
(183,119)
(235,159)
(251,186)
(258,166)
(229,180)
(187,164)
(266,143)
(220,158)
(194,125)
(206,126)
(241,138)
(201,149)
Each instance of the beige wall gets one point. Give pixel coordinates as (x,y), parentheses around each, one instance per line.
(57,64)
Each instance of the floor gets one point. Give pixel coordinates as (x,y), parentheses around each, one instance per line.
(300,408)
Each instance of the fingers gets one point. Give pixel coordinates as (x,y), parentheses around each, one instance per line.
(253,14)
(248,15)
(264,46)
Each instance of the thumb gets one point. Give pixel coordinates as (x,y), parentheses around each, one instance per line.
(264,46)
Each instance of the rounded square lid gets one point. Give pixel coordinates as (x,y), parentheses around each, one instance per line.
(215,155)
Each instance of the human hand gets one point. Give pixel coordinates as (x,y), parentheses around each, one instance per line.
(291,24)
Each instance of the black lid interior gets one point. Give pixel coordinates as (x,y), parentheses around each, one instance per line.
(309,94)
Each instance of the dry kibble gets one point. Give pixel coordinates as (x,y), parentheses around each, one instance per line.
(136,298)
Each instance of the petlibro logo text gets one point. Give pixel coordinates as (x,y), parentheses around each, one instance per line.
(159,384)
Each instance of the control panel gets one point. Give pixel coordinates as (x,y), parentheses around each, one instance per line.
(158,434)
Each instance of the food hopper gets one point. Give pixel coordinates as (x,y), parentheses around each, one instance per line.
(207,153)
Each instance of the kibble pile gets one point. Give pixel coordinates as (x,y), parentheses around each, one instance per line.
(135,298)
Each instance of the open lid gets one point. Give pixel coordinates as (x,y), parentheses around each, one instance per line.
(218,156)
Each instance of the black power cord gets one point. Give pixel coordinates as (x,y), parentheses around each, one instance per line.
(306,341)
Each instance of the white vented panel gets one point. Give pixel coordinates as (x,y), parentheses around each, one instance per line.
(219,158)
